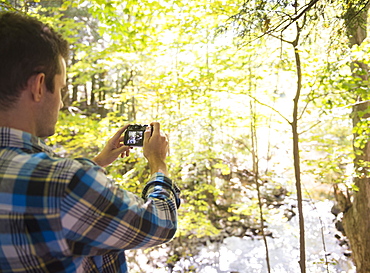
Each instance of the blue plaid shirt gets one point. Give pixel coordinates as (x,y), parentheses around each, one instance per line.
(64,215)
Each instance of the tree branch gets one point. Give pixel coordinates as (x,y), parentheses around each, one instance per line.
(270,107)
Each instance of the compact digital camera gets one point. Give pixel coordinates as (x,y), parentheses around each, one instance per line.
(134,135)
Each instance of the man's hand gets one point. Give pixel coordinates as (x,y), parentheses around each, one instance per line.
(155,148)
(113,149)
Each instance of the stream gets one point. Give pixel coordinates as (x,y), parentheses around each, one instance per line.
(247,255)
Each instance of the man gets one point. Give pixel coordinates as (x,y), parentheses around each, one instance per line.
(57,214)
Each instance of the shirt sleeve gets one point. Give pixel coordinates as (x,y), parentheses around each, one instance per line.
(99,217)
(160,186)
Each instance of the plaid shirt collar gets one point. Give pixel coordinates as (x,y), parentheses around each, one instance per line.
(10,137)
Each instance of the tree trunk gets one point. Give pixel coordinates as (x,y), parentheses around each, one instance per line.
(93,89)
(296,155)
(356,220)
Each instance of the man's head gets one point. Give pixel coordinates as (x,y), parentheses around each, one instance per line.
(27,47)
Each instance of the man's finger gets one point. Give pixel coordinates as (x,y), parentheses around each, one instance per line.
(118,134)
(156,127)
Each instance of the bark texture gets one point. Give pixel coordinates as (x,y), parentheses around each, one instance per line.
(356,215)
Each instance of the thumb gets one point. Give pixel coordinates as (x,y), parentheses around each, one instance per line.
(147,133)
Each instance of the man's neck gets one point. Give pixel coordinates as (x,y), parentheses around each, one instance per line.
(17,120)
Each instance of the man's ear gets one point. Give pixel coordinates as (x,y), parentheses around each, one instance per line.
(37,85)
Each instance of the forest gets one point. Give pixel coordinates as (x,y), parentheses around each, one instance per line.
(266,107)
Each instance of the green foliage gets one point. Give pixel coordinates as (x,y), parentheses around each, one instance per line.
(330,153)
(140,61)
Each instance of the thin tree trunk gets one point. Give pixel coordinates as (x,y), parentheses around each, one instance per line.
(256,180)
(296,156)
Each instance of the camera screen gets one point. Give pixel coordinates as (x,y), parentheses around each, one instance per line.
(135,138)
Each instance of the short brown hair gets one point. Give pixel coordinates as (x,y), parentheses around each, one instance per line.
(27,47)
